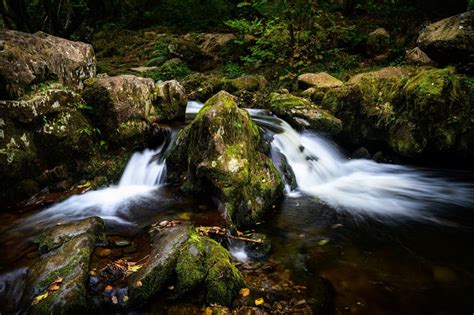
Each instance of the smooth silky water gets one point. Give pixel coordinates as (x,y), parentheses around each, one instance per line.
(391,239)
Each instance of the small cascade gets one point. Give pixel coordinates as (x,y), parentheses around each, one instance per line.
(144,168)
(361,186)
(144,172)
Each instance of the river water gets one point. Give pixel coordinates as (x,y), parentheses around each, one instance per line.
(390,239)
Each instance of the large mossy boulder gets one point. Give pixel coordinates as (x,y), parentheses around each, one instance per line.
(66,253)
(450,40)
(220,154)
(29,60)
(205,266)
(435,110)
(413,111)
(302,113)
(366,104)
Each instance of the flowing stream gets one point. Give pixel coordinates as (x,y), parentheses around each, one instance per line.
(378,232)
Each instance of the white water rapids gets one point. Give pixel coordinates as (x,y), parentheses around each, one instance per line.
(360,187)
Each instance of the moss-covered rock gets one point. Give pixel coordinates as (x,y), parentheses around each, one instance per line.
(166,246)
(170,101)
(413,111)
(68,249)
(29,60)
(202,86)
(301,113)
(205,266)
(367,103)
(219,154)
(249,83)
(435,110)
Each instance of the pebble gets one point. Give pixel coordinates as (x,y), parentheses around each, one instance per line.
(103,252)
(130,249)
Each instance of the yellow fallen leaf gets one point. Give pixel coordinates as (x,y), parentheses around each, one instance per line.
(93,273)
(125,299)
(39,298)
(139,284)
(245,292)
(114,299)
(134,268)
(259,301)
(208,311)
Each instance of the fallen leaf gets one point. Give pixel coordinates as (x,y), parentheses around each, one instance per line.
(39,298)
(125,299)
(259,301)
(245,292)
(134,268)
(53,287)
(323,242)
(139,284)
(93,273)
(114,299)
(108,288)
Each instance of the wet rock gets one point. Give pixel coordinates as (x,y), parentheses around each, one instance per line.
(258,250)
(170,101)
(378,42)
(219,154)
(69,248)
(450,40)
(361,153)
(118,241)
(301,113)
(47,58)
(102,252)
(418,57)
(61,234)
(319,80)
(205,265)
(166,247)
(130,249)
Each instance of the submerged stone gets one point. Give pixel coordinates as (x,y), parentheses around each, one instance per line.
(67,252)
(219,154)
